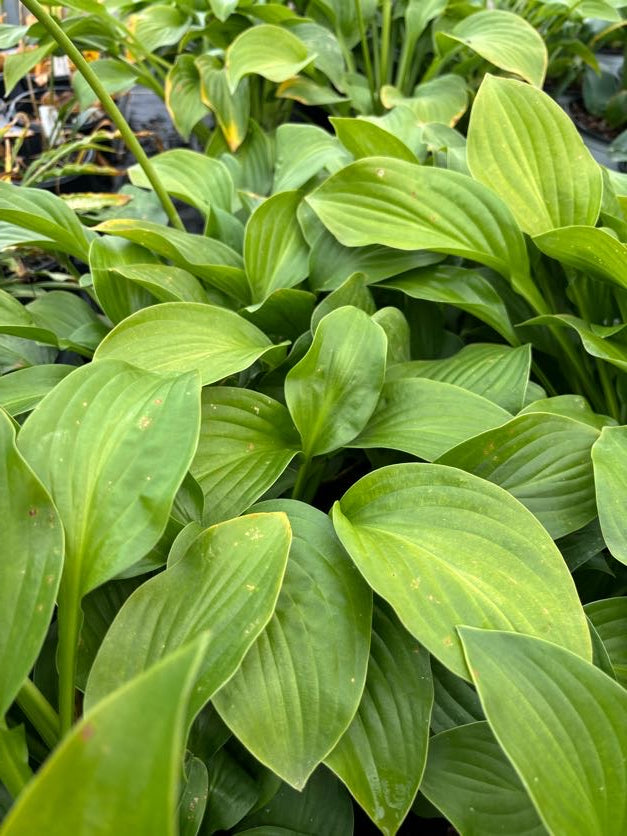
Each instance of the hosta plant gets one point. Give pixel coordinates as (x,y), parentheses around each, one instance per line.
(326,503)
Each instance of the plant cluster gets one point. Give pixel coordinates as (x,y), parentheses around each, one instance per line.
(315,522)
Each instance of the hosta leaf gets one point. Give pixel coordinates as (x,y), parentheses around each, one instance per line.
(381,756)
(195,178)
(246,442)
(218,342)
(541,459)
(410,207)
(398,333)
(365,139)
(319,633)
(465,289)
(115,76)
(232,793)
(523,146)
(609,456)
(442,99)
(567,710)
(182,95)
(17,64)
(569,406)
(269,51)
(596,339)
(122,761)
(444,547)
(609,617)
(426,418)
(275,253)
(231,107)
(22,390)
(158,25)
(332,392)
(30,568)
(286,313)
(43,218)
(193,799)
(163,281)
(469,778)
(96,441)
(495,372)
(301,152)
(307,92)
(593,251)
(118,297)
(212,261)
(354,291)
(455,701)
(226,583)
(506,40)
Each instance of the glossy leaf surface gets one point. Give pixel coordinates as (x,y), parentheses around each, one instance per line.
(609,456)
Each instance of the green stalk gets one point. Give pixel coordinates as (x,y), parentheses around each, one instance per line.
(69,622)
(14,774)
(39,711)
(386,40)
(366,52)
(611,401)
(108,104)
(301,479)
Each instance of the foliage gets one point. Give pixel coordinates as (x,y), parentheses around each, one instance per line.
(323,503)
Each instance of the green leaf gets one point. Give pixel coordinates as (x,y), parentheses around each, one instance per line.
(442,99)
(212,261)
(597,339)
(246,442)
(495,372)
(35,215)
(301,152)
(466,289)
(609,617)
(319,633)
(353,291)
(609,457)
(332,392)
(269,51)
(275,253)
(365,139)
(122,761)
(115,76)
(541,459)
(382,754)
(117,296)
(231,107)
(398,333)
(223,8)
(218,342)
(195,178)
(182,95)
(17,64)
(15,771)
(164,282)
(427,417)
(506,40)
(226,584)
(232,793)
(567,710)
(158,25)
(92,442)
(30,569)
(193,800)
(469,778)
(569,406)
(444,547)
(593,251)
(22,390)
(523,146)
(409,207)
(455,702)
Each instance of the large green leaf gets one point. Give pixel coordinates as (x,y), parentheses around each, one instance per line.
(301,152)
(495,372)
(231,107)
(458,286)
(275,253)
(609,618)
(299,686)
(122,761)
(607,342)
(541,459)
(609,457)
(381,756)
(523,146)
(218,342)
(455,701)
(158,25)
(410,207)
(118,297)
(182,95)
(195,178)
(427,417)
(35,215)
(366,139)
(595,252)
(212,261)
(442,100)
(567,736)
(226,583)
(506,40)
(469,778)
(269,51)
(444,547)
(97,442)
(30,568)
(569,406)
(22,390)
(332,392)
(246,441)
(163,281)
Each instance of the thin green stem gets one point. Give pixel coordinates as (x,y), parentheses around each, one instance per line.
(14,773)
(69,620)
(611,401)
(386,40)
(39,711)
(301,480)
(108,105)
(366,52)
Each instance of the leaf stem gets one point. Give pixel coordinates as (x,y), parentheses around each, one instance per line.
(39,711)
(69,619)
(13,773)
(301,479)
(366,53)
(112,110)
(385,40)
